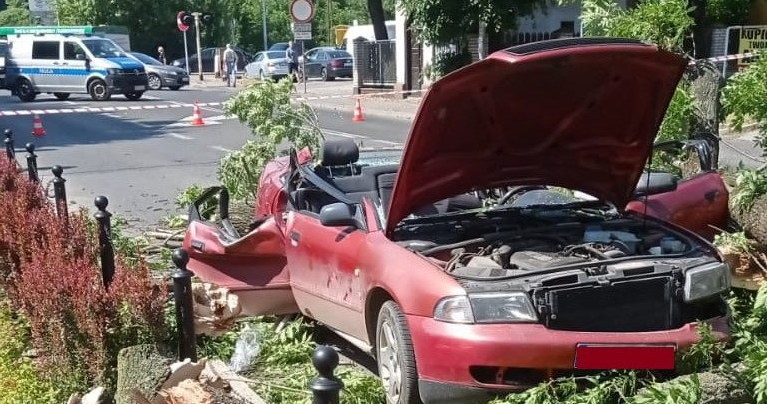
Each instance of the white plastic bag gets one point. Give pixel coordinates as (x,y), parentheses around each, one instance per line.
(246,349)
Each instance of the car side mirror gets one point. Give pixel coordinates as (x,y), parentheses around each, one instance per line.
(80,56)
(655,183)
(339,214)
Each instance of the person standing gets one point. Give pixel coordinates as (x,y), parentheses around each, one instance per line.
(230,58)
(292,57)
(161,55)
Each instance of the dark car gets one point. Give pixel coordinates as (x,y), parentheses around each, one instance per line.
(208,58)
(327,63)
(3,51)
(161,75)
(505,245)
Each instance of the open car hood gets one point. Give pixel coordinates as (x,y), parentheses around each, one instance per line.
(575,113)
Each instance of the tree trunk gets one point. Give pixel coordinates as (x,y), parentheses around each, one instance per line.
(375,8)
(700,31)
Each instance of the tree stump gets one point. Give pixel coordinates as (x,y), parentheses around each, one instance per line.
(241,215)
(753,221)
(142,367)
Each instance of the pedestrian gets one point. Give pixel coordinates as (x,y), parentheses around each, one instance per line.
(292,57)
(230,58)
(161,55)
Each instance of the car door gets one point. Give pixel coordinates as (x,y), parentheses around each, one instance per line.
(74,66)
(257,65)
(699,202)
(207,59)
(46,61)
(310,63)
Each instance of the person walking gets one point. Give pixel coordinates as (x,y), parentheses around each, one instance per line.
(230,58)
(292,57)
(161,55)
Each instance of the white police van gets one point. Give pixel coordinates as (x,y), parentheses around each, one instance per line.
(65,64)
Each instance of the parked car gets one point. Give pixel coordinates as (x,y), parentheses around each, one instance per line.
(505,246)
(3,51)
(161,75)
(327,63)
(268,65)
(208,59)
(279,46)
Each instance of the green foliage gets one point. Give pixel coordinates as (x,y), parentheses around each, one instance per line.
(703,354)
(743,100)
(735,241)
(662,22)
(19,381)
(266,109)
(727,12)
(680,391)
(750,336)
(750,185)
(446,62)
(442,22)
(13,16)
(604,388)
(677,122)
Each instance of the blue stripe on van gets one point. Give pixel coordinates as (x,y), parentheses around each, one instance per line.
(57,71)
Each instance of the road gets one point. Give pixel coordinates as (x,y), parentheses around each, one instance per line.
(142,158)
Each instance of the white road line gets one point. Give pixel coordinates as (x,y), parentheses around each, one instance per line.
(221,148)
(112,115)
(37,111)
(180,136)
(347,135)
(107,108)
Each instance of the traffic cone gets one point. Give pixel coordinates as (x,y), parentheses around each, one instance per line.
(197,116)
(358,111)
(37,127)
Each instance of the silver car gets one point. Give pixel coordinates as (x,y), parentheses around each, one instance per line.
(160,75)
(268,65)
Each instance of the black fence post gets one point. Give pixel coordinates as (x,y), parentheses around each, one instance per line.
(32,162)
(9,151)
(325,387)
(105,239)
(60,192)
(182,296)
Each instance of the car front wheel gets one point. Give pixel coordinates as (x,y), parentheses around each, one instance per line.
(154,82)
(395,356)
(25,90)
(99,91)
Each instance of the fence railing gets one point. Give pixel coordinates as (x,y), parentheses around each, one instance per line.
(375,63)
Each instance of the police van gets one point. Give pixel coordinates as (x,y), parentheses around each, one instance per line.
(66,64)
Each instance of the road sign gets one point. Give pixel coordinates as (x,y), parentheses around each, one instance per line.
(180,22)
(302,10)
(301,26)
(302,35)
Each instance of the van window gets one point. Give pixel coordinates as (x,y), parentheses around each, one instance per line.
(45,50)
(71,49)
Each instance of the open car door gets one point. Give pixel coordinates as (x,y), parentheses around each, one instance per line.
(252,266)
(699,202)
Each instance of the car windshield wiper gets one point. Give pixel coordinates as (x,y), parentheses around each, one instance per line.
(577,205)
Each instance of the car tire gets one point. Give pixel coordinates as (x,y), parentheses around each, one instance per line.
(324,75)
(261,75)
(174,88)
(134,96)
(25,90)
(99,91)
(154,82)
(61,96)
(395,356)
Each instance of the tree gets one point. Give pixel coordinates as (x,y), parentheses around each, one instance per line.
(17,14)
(442,22)
(375,7)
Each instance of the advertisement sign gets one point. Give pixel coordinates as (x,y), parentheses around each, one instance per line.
(752,39)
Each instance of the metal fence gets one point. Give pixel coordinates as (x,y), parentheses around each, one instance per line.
(376,63)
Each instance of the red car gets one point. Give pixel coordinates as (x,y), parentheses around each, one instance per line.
(510,243)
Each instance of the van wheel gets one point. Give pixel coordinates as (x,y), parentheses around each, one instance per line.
(25,90)
(154,82)
(134,96)
(99,91)
(61,96)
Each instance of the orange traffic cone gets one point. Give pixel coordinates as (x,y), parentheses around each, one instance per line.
(197,116)
(37,127)
(358,111)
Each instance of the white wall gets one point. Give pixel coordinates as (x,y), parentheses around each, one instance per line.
(549,20)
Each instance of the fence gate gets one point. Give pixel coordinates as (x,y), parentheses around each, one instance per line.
(375,63)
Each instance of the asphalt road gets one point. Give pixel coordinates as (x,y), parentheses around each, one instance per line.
(142,158)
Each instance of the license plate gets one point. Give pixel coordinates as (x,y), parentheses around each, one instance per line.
(612,356)
(139,88)
(347,64)
(185,79)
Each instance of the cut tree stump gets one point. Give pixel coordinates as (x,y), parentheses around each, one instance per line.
(142,367)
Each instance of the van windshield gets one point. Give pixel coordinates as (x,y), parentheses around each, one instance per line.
(103,48)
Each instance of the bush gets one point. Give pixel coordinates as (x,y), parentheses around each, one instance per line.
(727,12)
(447,62)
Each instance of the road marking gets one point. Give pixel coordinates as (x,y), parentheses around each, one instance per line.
(353,136)
(221,148)
(207,105)
(112,115)
(180,136)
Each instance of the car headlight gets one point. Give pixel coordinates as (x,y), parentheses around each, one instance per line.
(706,280)
(495,307)
(114,71)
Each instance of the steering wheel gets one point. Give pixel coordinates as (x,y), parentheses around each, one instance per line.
(517,190)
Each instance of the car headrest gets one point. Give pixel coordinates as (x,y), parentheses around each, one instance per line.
(339,152)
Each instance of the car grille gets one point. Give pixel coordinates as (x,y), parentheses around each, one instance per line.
(646,304)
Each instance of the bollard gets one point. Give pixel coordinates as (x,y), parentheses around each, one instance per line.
(32,162)
(105,239)
(325,387)
(9,151)
(182,296)
(60,192)
(223,204)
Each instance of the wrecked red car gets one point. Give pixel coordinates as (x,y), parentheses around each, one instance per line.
(518,237)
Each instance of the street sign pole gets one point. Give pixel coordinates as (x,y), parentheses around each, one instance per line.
(186,54)
(303,63)
(263,9)
(199,47)
(302,12)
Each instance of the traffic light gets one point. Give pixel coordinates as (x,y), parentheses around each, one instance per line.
(207,18)
(187,19)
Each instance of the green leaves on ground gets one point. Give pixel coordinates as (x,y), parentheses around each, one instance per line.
(274,120)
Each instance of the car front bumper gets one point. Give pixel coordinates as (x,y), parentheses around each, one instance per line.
(126,83)
(453,357)
(175,80)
